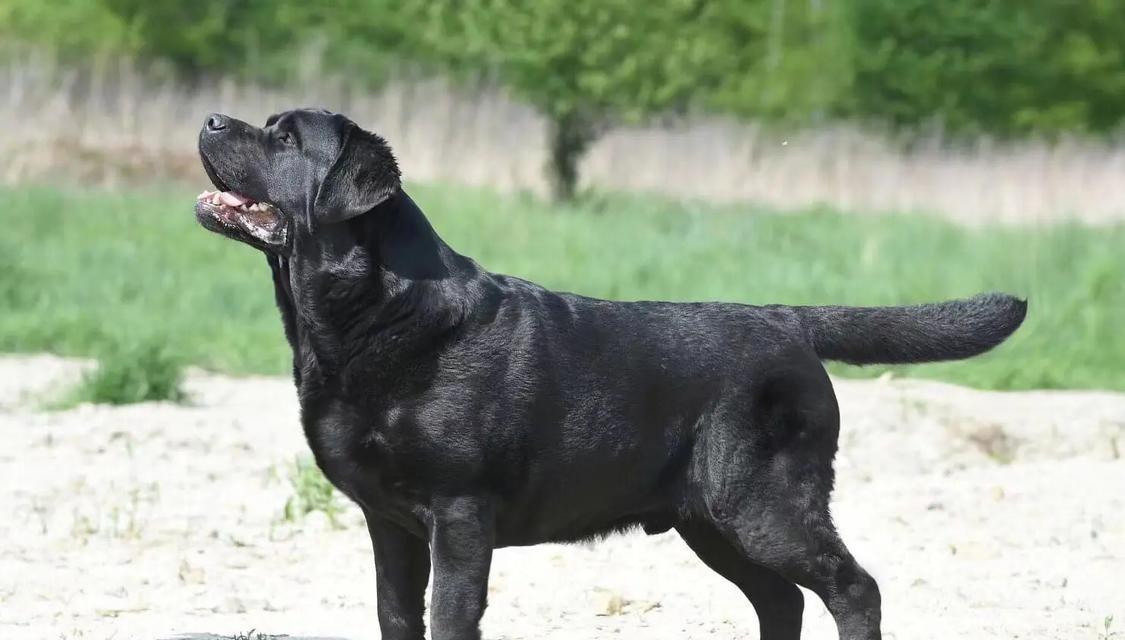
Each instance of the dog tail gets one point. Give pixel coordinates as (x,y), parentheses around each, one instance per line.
(949,330)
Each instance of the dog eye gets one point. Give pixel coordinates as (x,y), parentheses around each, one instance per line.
(286,138)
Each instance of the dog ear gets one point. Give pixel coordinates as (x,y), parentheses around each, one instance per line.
(363,176)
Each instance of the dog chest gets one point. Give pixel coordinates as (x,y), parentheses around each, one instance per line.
(386,458)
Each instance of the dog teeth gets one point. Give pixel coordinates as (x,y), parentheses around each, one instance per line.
(215,199)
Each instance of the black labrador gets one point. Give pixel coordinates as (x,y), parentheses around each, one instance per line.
(464,410)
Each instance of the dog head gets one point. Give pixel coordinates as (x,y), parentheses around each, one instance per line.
(305,171)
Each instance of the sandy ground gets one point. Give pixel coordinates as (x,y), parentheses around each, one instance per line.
(982,515)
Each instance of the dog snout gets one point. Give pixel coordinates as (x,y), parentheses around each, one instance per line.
(216,123)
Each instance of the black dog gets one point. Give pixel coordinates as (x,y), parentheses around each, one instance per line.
(464,410)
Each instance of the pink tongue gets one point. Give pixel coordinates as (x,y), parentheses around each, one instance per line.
(232,199)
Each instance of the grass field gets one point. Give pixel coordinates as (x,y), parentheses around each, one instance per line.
(97,273)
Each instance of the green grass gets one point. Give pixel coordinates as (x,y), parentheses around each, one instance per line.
(311,492)
(87,272)
(141,372)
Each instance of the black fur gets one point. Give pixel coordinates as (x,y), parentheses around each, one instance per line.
(363,176)
(921,333)
(465,410)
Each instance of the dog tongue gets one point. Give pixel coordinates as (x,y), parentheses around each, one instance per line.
(232,199)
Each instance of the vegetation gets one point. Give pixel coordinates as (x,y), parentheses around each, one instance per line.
(144,372)
(96,272)
(1004,68)
(311,492)
(583,63)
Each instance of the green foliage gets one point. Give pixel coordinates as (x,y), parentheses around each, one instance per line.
(1001,67)
(268,41)
(590,64)
(784,61)
(195,35)
(602,56)
(626,61)
(584,64)
(73,28)
(311,492)
(1005,67)
(144,372)
(97,270)
(272,41)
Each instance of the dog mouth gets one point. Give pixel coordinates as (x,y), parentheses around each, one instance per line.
(239,217)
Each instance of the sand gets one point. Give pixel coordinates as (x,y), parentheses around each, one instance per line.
(981,514)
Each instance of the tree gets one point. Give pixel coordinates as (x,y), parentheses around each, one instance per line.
(266,39)
(72,29)
(782,61)
(1006,67)
(998,67)
(585,64)
(194,36)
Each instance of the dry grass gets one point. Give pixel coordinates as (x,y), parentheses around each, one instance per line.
(113,123)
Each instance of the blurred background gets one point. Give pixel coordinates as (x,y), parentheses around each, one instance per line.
(790,151)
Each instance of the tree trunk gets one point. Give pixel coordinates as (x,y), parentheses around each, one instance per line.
(570,137)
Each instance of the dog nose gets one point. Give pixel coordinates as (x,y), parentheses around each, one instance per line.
(215,123)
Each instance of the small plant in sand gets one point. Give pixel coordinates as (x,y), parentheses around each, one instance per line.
(142,372)
(1107,632)
(311,492)
(124,520)
(253,634)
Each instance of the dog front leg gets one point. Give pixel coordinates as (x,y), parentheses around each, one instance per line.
(461,544)
(402,569)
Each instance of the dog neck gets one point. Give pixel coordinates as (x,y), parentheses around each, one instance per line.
(378,288)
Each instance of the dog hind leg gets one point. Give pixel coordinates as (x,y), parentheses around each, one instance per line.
(777,601)
(764,475)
